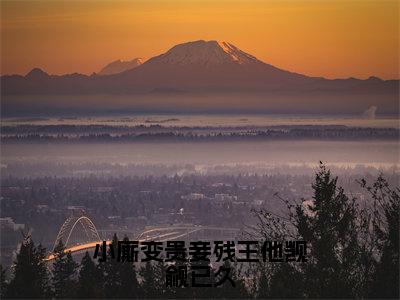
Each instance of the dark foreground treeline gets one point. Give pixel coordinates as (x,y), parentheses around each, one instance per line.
(353,253)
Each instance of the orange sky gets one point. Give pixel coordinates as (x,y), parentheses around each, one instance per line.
(320,38)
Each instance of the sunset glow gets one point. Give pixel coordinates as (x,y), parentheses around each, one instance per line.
(334,39)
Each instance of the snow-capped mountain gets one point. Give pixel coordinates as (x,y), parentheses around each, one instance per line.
(205,53)
(202,65)
(213,68)
(119,66)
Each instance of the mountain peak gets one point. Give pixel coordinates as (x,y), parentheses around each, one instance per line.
(119,66)
(206,53)
(374,78)
(236,54)
(36,73)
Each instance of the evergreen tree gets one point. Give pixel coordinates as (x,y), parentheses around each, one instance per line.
(129,282)
(119,277)
(286,282)
(329,224)
(64,273)
(30,274)
(89,279)
(152,275)
(3,283)
(262,291)
(111,280)
(178,292)
(147,284)
(226,290)
(385,281)
(202,292)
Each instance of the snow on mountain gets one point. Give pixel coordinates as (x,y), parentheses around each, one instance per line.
(205,53)
(119,66)
(206,65)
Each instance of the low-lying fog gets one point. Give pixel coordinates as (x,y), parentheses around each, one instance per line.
(215,120)
(380,154)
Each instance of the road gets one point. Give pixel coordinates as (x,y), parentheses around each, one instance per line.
(160,237)
(82,247)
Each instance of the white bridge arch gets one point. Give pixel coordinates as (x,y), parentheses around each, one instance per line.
(69,225)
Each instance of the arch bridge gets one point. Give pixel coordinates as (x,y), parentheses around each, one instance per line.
(159,233)
(68,227)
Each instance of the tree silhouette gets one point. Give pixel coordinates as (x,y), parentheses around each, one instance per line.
(226,290)
(329,224)
(3,283)
(119,278)
(129,283)
(286,282)
(261,290)
(385,221)
(64,273)
(152,284)
(30,274)
(89,279)
(353,253)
